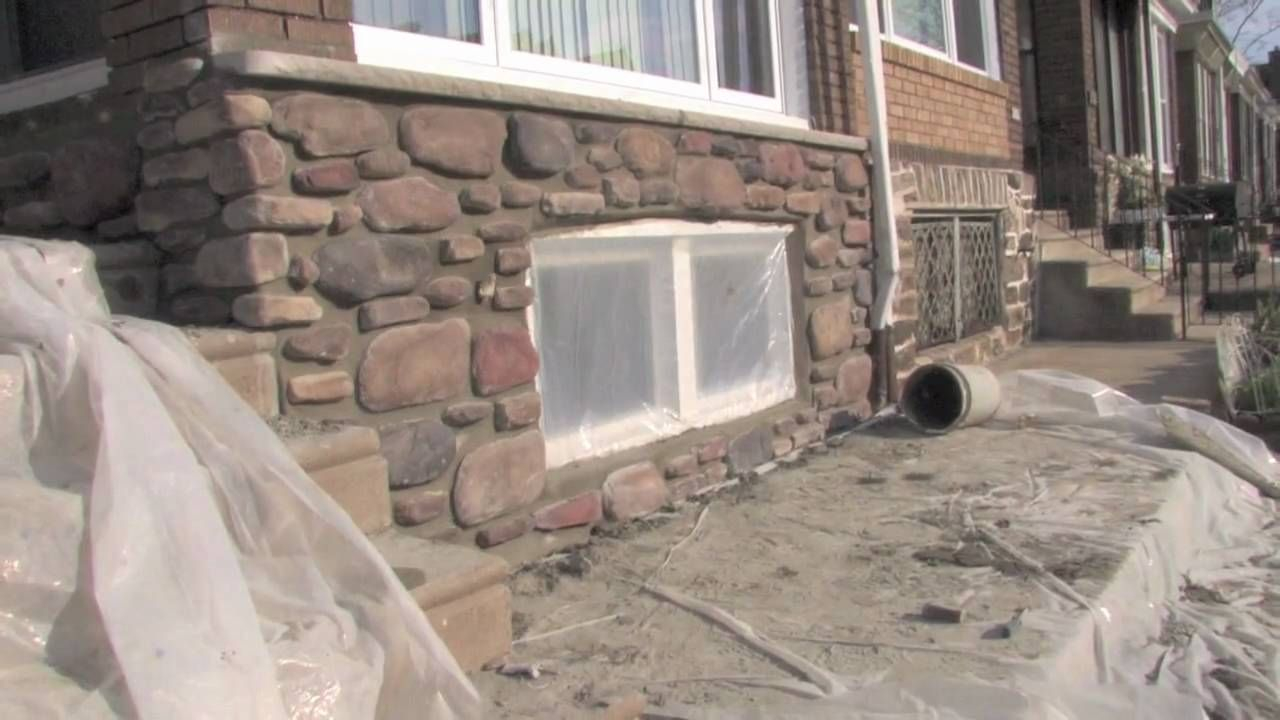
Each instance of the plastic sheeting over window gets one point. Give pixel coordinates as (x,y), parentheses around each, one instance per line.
(650,329)
(161,553)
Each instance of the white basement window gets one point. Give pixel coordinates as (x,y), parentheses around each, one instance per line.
(964,32)
(649,329)
(723,52)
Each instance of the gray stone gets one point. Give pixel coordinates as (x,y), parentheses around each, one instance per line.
(499,477)
(832,214)
(160,107)
(503,232)
(415,365)
(467,413)
(572,204)
(117,228)
(202,91)
(197,308)
(92,180)
(177,278)
(621,189)
(460,248)
(683,465)
(261,310)
(418,507)
(519,411)
(223,114)
(177,241)
(539,146)
(447,292)
(410,203)
(243,260)
(480,199)
(345,217)
(277,212)
(328,126)
(750,450)
(383,164)
(582,177)
(658,191)
(362,268)
(183,166)
(822,252)
(392,311)
(129,254)
(23,170)
(156,210)
(633,491)
(417,452)
(710,184)
(510,261)
(851,174)
(502,358)
(645,153)
(765,197)
(516,194)
(156,136)
(584,509)
(782,164)
(319,388)
(594,133)
(724,146)
(853,380)
(33,215)
(804,203)
(456,142)
(160,77)
(327,343)
(857,233)
(863,288)
(335,177)
(604,159)
(751,170)
(830,330)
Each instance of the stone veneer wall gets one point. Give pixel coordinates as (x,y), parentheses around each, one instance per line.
(383,241)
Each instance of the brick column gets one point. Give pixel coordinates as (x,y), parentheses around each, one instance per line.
(831,65)
(139,31)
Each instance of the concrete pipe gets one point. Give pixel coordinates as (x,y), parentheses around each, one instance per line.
(942,397)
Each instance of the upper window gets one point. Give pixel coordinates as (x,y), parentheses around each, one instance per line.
(1164,69)
(719,50)
(37,35)
(650,329)
(962,31)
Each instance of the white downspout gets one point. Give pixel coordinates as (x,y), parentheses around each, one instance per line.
(888,264)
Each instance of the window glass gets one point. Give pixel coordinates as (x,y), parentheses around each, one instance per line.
(450,19)
(744,46)
(45,35)
(732,319)
(656,37)
(971,42)
(922,21)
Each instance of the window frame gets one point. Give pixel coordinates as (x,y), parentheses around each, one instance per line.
(990,37)
(1162,61)
(41,86)
(495,59)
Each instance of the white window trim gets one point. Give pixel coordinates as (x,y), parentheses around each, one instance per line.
(990,38)
(692,410)
(41,88)
(1165,144)
(495,60)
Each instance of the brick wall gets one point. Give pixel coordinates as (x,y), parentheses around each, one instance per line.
(831,66)
(1064,59)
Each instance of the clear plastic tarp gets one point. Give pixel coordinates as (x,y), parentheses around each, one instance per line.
(161,554)
(649,329)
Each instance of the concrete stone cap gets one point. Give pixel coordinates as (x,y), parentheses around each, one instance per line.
(324,450)
(226,344)
(436,573)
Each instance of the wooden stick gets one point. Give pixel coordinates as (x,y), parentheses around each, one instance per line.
(567,628)
(942,649)
(696,526)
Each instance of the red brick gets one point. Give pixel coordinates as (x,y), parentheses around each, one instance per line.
(156,39)
(338,9)
(231,21)
(310,8)
(319,32)
(127,18)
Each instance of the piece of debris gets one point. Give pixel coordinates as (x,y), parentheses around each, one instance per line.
(627,707)
(1195,592)
(532,671)
(974,554)
(1006,630)
(952,612)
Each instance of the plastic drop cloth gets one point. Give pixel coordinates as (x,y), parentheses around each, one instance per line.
(1115,661)
(653,328)
(161,554)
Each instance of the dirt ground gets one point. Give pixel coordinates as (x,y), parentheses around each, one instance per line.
(832,556)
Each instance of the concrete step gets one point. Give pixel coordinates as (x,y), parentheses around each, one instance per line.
(462,590)
(345,462)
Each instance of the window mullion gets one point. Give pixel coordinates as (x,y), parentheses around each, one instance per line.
(708,66)
(949,30)
(686,348)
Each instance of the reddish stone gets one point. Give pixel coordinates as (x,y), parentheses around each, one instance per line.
(621,189)
(418,507)
(595,133)
(818,159)
(782,164)
(252,160)
(447,292)
(785,426)
(765,197)
(824,397)
(168,76)
(243,260)
(584,509)
(645,153)
(750,449)
(177,241)
(499,477)
(804,203)
(782,446)
(199,309)
(328,126)
(809,434)
(158,135)
(517,194)
(117,228)
(408,204)
(34,215)
(382,164)
(853,379)
(502,358)
(822,252)
(510,261)
(851,257)
(456,142)
(23,170)
(634,491)
(681,465)
(517,412)
(857,233)
(320,388)
(345,217)
(414,365)
(851,174)
(710,183)
(504,531)
(336,177)
(226,113)
(842,280)
(582,177)
(713,449)
(863,288)
(830,330)
(683,488)
(323,343)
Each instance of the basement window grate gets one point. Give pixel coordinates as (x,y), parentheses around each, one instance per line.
(957,277)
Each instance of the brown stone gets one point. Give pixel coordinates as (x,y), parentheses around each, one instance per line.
(277,212)
(519,411)
(853,379)
(833,213)
(782,164)
(392,311)
(418,507)
(516,194)
(199,309)
(710,183)
(336,177)
(327,126)
(857,233)
(499,477)
(782,446)
(851,257)
(177,167)
(818,159)
(804,203)
(302,272)
(160,77)
(480,199)
(155,136)
(227,113)
(261,310)
(724,146)
(595,133)
(417,452)
(683,488)
(816,180)
(243,260)
(503,357)
(23,170)
(822,252)
(825,397)
(92,180)
(383,164)
(510,261)
(784,426)
(156,210)
(362,268)
(177,241)
(694,142)
(765,197)
(621,189)
(713,449)
(456,142)
(842,280)
(582,177)
(861,337)
(851,174)
(447,292)
(512,297)
(117,228)
(504,531)
(818,286)
(503,232)
(467,413)
(584,509)
(572,204)
(633,491)
(345,217)
(750,449)
(645,153)
(682,465)
(203,91)
(252,160)
(408,204)
(320,388)
(830,330)
(34,215)
(863,288)
(325,343)
(414,365)
(604,159)
(658,191)
(460,248)
(539,146)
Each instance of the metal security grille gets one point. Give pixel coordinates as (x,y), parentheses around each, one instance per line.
(957,278)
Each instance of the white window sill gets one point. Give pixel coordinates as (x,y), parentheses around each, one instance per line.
(46,87)
(381,47)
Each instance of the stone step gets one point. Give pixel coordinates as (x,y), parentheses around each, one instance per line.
(462,590)
(346,463)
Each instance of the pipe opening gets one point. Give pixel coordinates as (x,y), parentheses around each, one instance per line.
(934,398)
